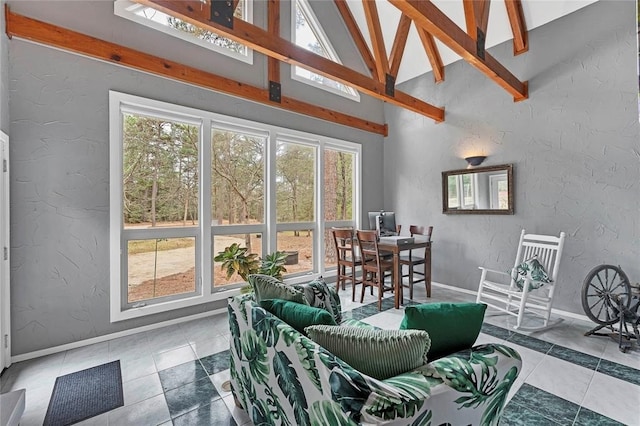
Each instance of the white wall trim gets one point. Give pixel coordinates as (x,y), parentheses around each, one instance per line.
(554,310)
(106,337)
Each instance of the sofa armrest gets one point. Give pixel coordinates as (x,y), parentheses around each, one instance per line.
(468,387)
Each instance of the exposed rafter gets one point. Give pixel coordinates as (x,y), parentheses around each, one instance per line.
(399,43)
(427,16)
(518,26)
(476,16)
(72,41)
(283,50)
(357,37)
(377,40)
(433,54)
(273,65)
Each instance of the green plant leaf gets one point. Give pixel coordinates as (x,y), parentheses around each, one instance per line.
(492,412)
(266,325)
(291,386)
(349,389)
(306,349)
(323,413)
(423,419)
(234,328)
(273,264)
(255,352)
(235,259)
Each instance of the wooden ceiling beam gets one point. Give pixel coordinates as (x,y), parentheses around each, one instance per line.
(476,16)
(377,40)
(261,41)
(433,54)
(427,16)
(518,26)
(399,43)
(358,38)
(75,42)
(273,22)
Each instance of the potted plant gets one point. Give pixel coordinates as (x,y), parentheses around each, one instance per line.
(273,264)
(235,259)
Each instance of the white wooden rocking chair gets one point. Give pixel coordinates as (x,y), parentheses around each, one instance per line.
(534,297)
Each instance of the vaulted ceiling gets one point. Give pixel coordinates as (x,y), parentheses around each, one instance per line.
(397,39)
(415,61)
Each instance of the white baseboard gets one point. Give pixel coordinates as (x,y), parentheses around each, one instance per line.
(104,338)
(553,310)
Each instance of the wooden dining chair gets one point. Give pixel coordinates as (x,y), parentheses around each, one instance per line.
(413,259)
(374,267)
(347,259)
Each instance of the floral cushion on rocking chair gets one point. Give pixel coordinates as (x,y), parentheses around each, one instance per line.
(533,270)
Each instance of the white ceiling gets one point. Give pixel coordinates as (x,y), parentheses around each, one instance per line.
(415,62)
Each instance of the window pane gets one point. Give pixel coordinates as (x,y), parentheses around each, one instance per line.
(503,194)
(338,185)
(330,255)
(160,267)
(453,192)
(299,247)
(253,244)
(308,36)
(161,18)
(295,182)
(160,172)
(237,178)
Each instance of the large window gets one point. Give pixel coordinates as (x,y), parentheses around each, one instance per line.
(160,21)
(308,34)
(186,184)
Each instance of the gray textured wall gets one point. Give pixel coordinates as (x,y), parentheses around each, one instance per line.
(575,146)
(60,175)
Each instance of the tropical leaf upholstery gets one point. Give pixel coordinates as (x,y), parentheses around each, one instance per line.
(532,271)
(283,378)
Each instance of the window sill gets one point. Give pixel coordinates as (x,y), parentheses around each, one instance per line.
(130,313)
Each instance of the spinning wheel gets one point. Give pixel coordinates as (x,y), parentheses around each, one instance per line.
(603,289)
(607,300)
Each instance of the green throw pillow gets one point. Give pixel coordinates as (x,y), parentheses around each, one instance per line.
(267,287)
(451,326)
(297,315)
(533,270)
(377,353)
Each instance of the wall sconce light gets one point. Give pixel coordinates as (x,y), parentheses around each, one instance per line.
(475,161)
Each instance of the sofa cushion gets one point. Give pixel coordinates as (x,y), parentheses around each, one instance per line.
(297,315)
(266,287)
(533,270)
(451,326)
(320,295)
(377,353)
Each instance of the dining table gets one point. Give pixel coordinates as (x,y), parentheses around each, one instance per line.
(396,246)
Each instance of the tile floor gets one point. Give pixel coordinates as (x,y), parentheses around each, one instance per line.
(174,375)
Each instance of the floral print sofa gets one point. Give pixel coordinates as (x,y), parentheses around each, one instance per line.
(281,377)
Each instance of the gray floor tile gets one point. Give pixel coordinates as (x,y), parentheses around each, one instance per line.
(190,396)
(182,374)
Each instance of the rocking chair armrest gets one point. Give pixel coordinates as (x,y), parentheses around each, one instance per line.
(494,271)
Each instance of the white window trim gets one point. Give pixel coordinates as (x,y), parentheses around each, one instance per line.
(324,40)
(205,232)
(122,8)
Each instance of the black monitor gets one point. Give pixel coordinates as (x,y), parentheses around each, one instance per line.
(386,224)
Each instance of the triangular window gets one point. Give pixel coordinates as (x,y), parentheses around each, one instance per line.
(158,20)
(308,34)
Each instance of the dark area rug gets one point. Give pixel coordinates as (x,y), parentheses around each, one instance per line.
(84,394)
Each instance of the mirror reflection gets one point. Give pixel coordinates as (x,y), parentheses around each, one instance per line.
(482,190)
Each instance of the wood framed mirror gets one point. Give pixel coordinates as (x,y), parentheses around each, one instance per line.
(480,190)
